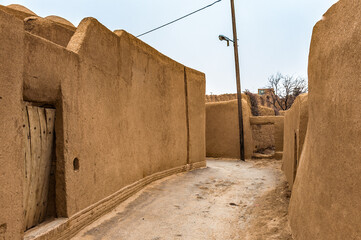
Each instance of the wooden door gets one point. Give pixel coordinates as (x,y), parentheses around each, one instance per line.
(39,139)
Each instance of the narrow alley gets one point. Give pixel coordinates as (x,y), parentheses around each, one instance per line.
(226,200)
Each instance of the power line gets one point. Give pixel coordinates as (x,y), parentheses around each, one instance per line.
(179,19)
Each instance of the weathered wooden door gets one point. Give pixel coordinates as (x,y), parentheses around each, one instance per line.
(39,139)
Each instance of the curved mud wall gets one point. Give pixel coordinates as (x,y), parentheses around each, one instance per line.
(295,128)
(325,202)
(222,134)
(127,113)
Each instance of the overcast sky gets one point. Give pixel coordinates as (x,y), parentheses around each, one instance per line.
(274,35)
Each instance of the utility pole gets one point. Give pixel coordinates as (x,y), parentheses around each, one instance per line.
(238,78)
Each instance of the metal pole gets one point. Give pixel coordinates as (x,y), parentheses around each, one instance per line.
(238,78)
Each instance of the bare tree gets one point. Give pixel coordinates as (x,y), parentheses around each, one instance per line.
(285,89)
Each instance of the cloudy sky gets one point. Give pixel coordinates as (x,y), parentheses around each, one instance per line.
(274,35)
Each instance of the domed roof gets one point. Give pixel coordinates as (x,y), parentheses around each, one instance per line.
(21,8)
(59,20)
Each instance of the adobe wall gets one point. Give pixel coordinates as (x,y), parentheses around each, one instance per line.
(221,97)
(295,128)
(325,202)
(11,124)
(279,135)
(47,65)
(263,137)
(50,30)
(222,134)
(129,114)
(133,98)
(265,111)
(196,90)
(262,110)
(17,11)
(268,132)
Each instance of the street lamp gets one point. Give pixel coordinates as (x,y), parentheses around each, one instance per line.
(238,78)
(224,38)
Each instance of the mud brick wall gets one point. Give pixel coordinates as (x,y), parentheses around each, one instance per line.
(124,113)
(295,128)
(222,132)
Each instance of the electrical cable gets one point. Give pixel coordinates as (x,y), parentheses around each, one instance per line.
(178,19)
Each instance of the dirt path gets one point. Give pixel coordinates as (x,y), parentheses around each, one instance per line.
(227,200)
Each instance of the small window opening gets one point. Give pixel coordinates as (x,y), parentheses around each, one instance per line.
(76,164)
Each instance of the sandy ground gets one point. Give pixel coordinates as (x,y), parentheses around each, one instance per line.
(226,200)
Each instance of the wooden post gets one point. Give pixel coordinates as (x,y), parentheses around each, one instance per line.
(238,78)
